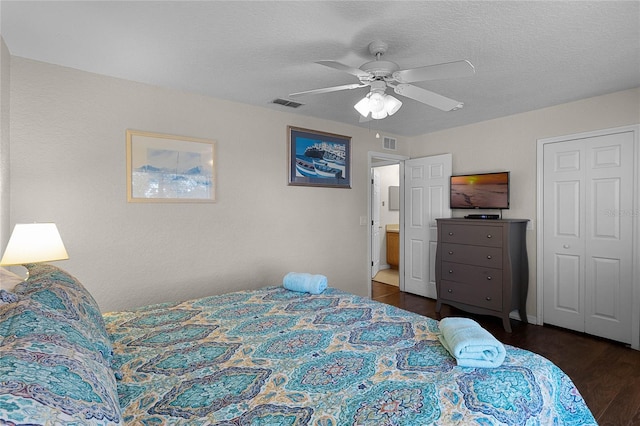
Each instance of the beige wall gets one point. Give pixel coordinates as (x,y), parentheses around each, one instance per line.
(509,143)
(68,166)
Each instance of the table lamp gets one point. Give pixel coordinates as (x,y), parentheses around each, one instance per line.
(34,243)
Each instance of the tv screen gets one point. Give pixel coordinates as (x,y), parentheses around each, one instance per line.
(480,191)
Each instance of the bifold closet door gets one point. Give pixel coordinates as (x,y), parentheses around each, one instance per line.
(588,238)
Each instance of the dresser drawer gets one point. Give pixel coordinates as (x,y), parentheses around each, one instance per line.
(483,296)
(474,255)
(479,235)
(476,275)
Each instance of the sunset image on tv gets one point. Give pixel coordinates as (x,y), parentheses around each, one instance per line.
(480,191)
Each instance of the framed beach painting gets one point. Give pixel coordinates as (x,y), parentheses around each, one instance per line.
(166,168)
(319,158)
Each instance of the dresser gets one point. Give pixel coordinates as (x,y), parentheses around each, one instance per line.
(482,266)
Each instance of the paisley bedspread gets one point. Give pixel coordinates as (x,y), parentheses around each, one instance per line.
(277,357)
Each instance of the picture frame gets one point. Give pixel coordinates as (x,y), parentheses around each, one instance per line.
(164,168)
(318,158)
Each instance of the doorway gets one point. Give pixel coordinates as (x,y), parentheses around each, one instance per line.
(386,223)
(385,171)
(422,197)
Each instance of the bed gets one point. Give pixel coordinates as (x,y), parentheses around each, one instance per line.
(259,357)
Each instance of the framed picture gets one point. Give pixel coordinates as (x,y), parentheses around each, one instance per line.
(319,158)
(166,168)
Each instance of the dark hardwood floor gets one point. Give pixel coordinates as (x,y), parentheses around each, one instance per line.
(606,373)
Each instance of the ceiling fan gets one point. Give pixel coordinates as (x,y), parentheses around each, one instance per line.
(380,74)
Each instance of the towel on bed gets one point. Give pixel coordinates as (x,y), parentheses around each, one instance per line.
(304,282)
(470,344)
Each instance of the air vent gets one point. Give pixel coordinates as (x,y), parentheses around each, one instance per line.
(389,143)
(287,103)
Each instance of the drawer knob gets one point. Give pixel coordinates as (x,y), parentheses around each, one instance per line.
(450,233)
(488,298)
(489,257)
(489,278)
(450,252)
(450,291)
(488,235)
(451,271)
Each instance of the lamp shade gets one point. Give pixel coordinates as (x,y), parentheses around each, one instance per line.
(34,243)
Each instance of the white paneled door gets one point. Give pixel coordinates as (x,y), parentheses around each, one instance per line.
(588,201)
(426,189)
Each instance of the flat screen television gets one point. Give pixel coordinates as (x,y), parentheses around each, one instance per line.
(480,191)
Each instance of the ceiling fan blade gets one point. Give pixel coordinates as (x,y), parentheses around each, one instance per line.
(329,89)
(435,72)
(346,68)
(426,97)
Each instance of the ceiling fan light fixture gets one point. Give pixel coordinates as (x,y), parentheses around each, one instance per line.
(379,115)
(391,104)
(379,105)
(379,75)
(363,106)
(376,102)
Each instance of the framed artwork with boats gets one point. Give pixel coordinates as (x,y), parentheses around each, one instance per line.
(319,158)
(166,168)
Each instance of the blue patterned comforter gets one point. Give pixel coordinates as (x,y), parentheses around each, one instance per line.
(277,357)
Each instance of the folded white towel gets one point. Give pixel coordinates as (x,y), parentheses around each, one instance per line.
(305,283)
(470,344)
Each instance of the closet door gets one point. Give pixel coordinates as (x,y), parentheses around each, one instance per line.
(588,238)
(564,240)
(609,237)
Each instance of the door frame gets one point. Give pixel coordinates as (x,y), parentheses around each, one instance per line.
(635,314)
(375,233)
(375,159)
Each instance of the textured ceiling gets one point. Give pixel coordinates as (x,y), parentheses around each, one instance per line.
(527,55)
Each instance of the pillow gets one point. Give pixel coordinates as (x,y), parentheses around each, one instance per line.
(8,280)
(50,378)
(6,300)
(55,366)
(60,294)
(31,321)
(6,297)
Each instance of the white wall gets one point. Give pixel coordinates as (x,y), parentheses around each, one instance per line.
(68,166)
(5,73)
(389,176)
(509,143)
